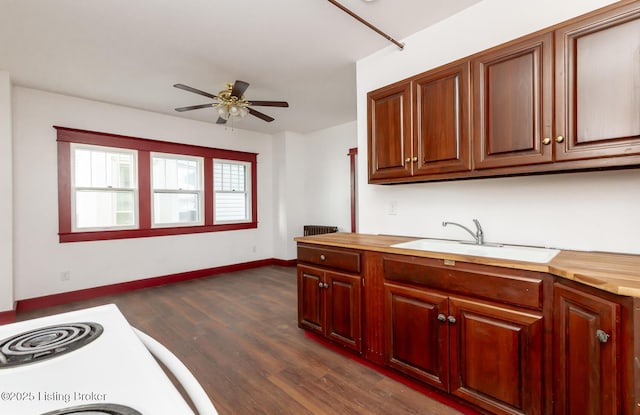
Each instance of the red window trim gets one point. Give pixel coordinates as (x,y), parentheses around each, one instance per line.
(66,136)
(353,152)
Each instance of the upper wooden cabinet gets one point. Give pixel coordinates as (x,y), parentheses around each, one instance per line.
(421,126)
(598,86)
(561,99)
(389,126)
(441,115)
(513,104)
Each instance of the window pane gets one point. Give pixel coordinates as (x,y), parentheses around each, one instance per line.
(175,208)
(229,177)
(231,192)
(231,207)
(176,173)
(98,168)
(101,209)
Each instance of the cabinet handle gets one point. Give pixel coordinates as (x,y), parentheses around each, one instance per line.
(452,319)
(559,139)
(407,160)
(602,336)
(415,158)
(546,141)
(323,258)
(442,318)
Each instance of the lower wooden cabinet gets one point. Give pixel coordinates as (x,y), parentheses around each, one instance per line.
(586,353)
(488,354)
(504,340)
(416,342)
(329,304)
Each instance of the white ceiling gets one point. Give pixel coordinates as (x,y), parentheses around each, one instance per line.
(132,52)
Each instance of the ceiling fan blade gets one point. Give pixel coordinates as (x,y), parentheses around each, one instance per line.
(195,91)
(193,107)
(221,121)
(269,103)
(260,115)
(238,88)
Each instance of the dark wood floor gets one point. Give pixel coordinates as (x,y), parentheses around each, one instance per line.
(238,334)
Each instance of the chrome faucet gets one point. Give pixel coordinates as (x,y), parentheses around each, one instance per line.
(478,236)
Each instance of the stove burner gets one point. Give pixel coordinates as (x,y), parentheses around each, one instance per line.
(97,409)
(46,342)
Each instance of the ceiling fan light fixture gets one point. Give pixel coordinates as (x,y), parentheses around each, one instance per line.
(230,102)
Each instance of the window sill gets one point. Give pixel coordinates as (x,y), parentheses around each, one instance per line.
(145,233)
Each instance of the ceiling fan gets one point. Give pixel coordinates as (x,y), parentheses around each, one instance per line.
(230,102)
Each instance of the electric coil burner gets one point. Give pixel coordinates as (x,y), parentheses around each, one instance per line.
(96,409)
(92,362)
(46,342)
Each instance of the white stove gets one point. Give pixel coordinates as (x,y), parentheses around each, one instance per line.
(90,361)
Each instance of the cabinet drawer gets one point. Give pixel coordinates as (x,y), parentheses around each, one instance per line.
(520,288)
(341,259)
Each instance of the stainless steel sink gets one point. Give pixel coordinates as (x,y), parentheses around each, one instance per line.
(513,252)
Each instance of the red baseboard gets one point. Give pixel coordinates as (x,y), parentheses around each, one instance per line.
(397,377)
(62,298)
(7,317)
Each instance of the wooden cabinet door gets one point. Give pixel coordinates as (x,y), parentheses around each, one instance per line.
(585,366)
(441,117)
(389,129)
(343,309)
(496,357)
(416,341)
(513,104)
(597,84)
(310,299)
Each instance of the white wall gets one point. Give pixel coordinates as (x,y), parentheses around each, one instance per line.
(289,190)
(584,211)
(327,184)
(40,259)
(6,195)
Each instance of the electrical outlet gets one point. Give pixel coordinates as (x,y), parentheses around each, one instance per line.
(65,276)
(393,208)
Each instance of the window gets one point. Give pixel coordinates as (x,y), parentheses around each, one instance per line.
(112,187)
(177,190)
(232,196)
(104,188)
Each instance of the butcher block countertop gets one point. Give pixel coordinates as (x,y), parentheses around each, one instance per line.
(616,273)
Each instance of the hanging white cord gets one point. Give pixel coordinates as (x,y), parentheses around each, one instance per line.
(190,384)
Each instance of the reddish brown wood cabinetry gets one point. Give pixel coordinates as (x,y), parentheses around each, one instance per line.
(505,340)
(597,84)
(513,104)
(389,127)
(487,353)
(417,343)
(441,115)
(330,301)
(421,126)
(562,99)
(587,349)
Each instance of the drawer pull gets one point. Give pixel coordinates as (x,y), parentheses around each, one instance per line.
(602,336)
(323,258)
